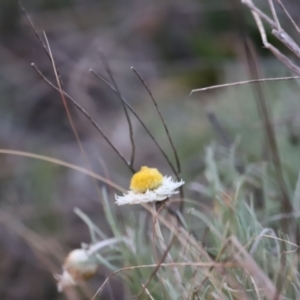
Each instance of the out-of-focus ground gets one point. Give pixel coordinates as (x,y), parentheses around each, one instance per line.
(176,46)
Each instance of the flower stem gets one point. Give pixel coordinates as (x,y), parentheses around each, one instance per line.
(162,243)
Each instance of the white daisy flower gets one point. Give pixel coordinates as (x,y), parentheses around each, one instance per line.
(149,185)
(78,267)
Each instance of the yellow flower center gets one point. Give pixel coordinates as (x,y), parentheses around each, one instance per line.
(146,179)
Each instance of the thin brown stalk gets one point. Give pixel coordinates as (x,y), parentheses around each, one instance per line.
(177,174)
(286,61)
(109,72)
(241,256)
(177,264)
(37,243)
(288,15)
(99,76)
(278,32)
(33,28)
(162,120)
(221,132)
(177,214)
(225,85)
(156,268)
(256,289)
(147,292)
(285,39)
(44,46)
(62,95)
(64,164)
(192,282)
(262,107)
(262,15)
(270,137)
(177,276)
(86,114)
(60,89)
(154,245)
(218,257)
(271,4)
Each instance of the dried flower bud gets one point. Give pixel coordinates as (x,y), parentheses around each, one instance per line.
(78,266)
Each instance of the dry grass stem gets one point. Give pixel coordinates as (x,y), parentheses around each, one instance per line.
(62,95)
(156,269)
(99,76)
(85,113)
(278,32)
(241,256)
(165,249)
(275,17)
(177,264)
(177,174)
(63,163)
(225,85)
(118,92)
(288,15)
(162,120)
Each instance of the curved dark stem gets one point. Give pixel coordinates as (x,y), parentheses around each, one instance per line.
(138,118)
(162,120)
(86,114)
(219,129)
(118,92)
(46,49)
(138,297)
(177,174)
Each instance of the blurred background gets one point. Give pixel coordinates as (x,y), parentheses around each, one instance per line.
(176,46)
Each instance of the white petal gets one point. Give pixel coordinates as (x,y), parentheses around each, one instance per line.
(64,280)
(165,190)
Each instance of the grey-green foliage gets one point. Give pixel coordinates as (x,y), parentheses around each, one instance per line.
(233,211)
